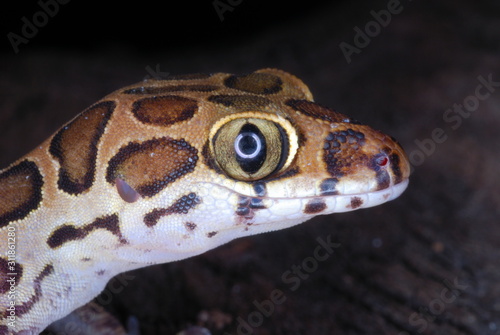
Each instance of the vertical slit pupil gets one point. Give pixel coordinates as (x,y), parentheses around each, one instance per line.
(250,147)
(248,143)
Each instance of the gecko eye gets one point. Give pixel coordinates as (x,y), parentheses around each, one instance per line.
(250,149)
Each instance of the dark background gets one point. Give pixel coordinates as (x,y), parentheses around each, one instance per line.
(426,263)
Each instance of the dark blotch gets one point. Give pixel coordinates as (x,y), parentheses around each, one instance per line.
(247,206)
(328,186)
(339,148)
(164,110)
(150,166)
(260,188)
(396,168)
(257,203)
(152,218)
(110,222)
(180,206)
(356,202)
(67,233)
(315,206)
(64,234)
(20,191)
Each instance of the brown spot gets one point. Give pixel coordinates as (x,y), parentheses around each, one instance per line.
(20,191)
(256,83)
(315,206)
(190,226)
(341,149)
(10,274)
(356,202)
(75,147)
(100,272)
(67,233)
(180,206)
(164,110)
(149,167)
(241,102)
(26,306)
(167,89)
(212,234)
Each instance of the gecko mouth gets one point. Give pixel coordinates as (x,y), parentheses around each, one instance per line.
(313,204)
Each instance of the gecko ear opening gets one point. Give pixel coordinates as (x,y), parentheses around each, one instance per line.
(126,192)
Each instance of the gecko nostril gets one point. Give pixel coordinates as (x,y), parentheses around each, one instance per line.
(382,160)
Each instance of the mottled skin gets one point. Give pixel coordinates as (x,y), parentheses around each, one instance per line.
(167,169)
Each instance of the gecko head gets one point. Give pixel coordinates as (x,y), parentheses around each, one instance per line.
(264,157)
(311,154)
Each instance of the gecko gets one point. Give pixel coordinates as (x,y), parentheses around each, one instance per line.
(167,169)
